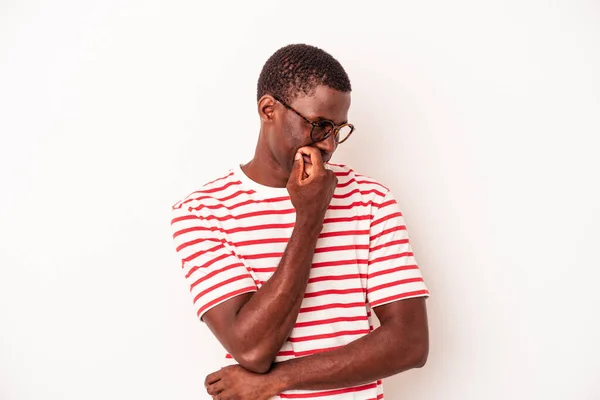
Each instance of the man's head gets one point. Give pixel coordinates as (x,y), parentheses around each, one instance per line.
(301,91)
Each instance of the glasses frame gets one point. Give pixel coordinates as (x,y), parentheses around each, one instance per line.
(335,130)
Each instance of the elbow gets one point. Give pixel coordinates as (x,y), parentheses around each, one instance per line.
(411,354)
(256,366)
(420,354)
(255,361)
(421,359)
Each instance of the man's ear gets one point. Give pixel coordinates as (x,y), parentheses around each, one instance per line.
(266,108)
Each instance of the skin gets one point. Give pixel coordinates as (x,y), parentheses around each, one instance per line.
(253,327)
(283,133)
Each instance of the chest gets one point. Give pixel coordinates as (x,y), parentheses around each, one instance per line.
(258,235)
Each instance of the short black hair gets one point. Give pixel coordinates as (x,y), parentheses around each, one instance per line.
(298,69)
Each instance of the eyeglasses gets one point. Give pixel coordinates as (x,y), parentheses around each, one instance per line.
(322,129)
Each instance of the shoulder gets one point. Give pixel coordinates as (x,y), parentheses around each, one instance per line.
(214,191)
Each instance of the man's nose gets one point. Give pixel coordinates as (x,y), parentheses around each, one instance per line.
(328,145)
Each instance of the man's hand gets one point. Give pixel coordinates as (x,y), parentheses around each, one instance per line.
(236,383)
(311,185)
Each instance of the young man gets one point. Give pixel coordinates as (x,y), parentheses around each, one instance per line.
(287,255)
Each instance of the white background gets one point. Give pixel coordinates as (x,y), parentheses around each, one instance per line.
(483,118)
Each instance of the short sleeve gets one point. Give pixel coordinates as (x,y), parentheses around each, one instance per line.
(393,273)
(213,272)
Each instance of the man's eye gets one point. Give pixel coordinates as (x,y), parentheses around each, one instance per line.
(324,124)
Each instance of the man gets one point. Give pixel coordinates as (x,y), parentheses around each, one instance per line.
(287,255)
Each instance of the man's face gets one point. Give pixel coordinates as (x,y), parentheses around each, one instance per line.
(324,104)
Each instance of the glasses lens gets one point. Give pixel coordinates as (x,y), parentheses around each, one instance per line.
(322,130)
(343,133)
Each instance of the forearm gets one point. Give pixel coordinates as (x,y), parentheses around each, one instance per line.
(375,356)
(265,321)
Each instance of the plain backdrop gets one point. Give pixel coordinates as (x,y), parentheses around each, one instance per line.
(482,117)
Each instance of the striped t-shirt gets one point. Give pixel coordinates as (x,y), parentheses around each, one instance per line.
(231,235)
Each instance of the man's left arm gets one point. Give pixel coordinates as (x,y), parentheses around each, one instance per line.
(399,344)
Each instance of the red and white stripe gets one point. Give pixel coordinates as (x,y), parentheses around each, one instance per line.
(231,234)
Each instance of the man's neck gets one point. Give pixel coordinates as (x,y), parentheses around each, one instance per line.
(266,171)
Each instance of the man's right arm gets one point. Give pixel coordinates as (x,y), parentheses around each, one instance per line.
(253,327)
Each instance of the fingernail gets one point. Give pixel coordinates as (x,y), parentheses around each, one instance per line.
(297,156)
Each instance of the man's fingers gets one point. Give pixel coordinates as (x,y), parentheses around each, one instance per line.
(212,378)
(215,388)
(298,168)
(315,157)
